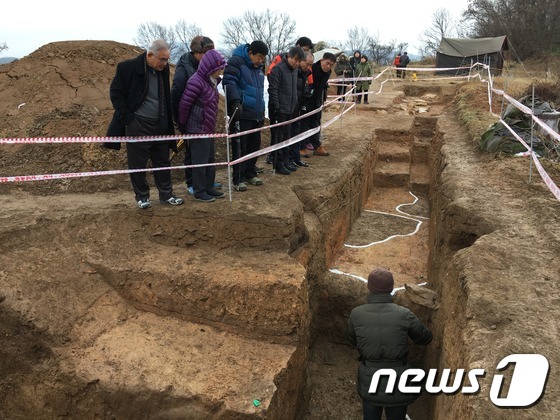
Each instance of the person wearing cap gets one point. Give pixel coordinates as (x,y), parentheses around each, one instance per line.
(244,86)
(140,95)
(198,112)
(380,330)
(185,68)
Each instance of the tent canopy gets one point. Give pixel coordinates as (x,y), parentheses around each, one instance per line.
(472,47)
(319,54)
(457,52)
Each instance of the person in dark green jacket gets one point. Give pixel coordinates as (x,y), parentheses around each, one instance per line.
(380,330)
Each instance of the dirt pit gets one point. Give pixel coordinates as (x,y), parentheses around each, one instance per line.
(228,309)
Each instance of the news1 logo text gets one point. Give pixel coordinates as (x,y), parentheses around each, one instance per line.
(527,385)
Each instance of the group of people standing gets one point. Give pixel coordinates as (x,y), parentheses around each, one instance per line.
(400,62)
(356,67)
(146,105)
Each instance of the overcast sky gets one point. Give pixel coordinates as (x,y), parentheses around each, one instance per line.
(27,25)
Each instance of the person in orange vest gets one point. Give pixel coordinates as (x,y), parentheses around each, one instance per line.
(397,63)
(304,43)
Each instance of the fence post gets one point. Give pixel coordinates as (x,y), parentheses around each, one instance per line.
(227,118)
(532,133)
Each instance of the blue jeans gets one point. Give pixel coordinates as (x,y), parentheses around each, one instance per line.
(373,412)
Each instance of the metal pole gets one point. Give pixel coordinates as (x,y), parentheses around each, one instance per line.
(227,142)
(532,132)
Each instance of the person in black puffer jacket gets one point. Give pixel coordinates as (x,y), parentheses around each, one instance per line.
(380,330)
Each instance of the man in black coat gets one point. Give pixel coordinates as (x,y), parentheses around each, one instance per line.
(282,102)
(140,94)
(405,59)
(380,331)
(321,71)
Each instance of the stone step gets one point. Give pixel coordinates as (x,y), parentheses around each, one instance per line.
(419,178)
(393,152)
(420,151)
(391,174)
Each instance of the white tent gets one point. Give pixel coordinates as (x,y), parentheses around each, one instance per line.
(319,54)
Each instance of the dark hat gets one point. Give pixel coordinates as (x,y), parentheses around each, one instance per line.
(201,44)
(380,280)
(304,42)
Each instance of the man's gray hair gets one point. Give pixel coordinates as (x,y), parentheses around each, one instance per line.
(158,45)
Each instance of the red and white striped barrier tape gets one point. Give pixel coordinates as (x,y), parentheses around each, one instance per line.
(38,140)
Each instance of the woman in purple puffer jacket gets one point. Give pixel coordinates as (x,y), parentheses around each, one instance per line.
(198,112)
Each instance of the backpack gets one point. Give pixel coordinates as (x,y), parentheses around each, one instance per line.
(397,60)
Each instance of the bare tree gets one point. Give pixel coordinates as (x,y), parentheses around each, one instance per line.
(184,33)
(382,54)
(531,26)
(275,29)
(147,32)
(3,46)
(442,27)
(358,39)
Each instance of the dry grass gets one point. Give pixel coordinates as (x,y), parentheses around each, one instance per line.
(472,99)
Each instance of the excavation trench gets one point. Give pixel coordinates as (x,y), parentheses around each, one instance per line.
(207,312)
(233,310)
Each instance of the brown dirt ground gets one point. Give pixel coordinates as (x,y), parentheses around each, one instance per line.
(75,254)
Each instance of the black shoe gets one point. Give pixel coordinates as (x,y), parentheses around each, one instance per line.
(302,164)
(215,194)
(283,171)
(269,159)
(204,197)
(291,167)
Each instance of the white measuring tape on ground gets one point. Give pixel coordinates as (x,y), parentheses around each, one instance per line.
(408,216)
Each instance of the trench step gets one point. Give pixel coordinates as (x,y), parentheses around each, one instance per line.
(270,302)
(420,150)
(391,174)
(393,152)
(194,370)
(419,178)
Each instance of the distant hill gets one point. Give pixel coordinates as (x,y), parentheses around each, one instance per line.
(6,60)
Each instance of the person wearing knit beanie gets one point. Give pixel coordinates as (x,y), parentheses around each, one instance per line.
(380,280)
(380,331)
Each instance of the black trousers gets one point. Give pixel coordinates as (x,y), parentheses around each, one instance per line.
(188,162)
(374,412)
(138,155)
(202,151)
(280,157)
(244,145)
(310,122)
(295,129)
(341,89)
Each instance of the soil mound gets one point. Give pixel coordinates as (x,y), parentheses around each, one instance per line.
(61,89)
